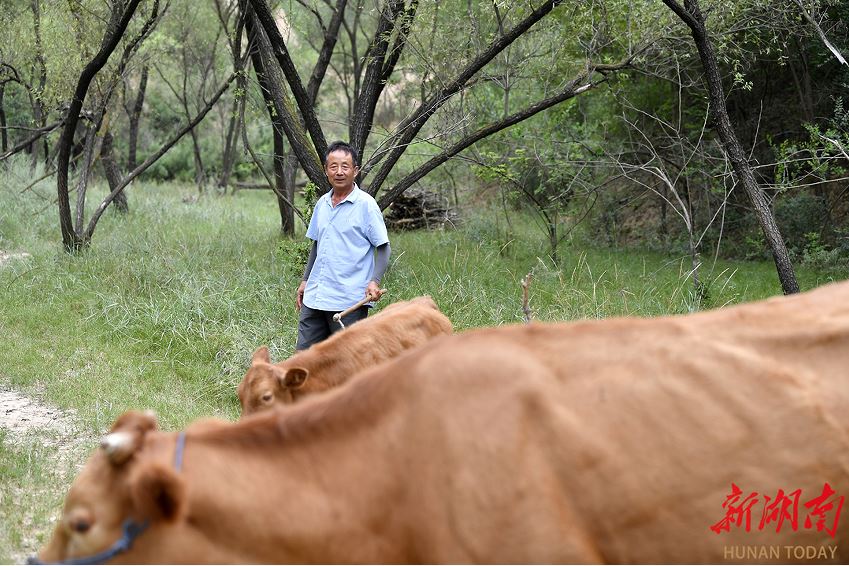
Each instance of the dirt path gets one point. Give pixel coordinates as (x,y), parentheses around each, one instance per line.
(21,415)
(8,256)
(32,427)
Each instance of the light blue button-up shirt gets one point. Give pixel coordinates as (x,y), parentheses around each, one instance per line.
(344,263)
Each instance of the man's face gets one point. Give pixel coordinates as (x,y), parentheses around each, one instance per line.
(340,170)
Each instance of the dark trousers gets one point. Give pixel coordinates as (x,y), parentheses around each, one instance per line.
(315,325)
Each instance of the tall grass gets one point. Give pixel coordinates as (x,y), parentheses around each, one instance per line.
(166,307)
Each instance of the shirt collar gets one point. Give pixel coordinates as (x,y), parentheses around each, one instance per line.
(352,196)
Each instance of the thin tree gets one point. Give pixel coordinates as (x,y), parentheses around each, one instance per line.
(691,14)
(71,239)
(134,112)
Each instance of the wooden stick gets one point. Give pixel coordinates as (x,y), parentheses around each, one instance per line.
(526,308)
(338,316)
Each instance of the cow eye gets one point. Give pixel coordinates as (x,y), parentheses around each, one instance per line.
(80,521)
(80,526)
(266,397)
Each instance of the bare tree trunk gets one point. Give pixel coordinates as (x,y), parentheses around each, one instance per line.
(381,61)
(228,156)
(134,118)
(4,137)
(38,113)
(802,81)
(691,14)
(281,163)
(200,174)
(695,262)
(290,172)
(271,85)
(274,45)
(271,88)
(38,118)
(110,170)
(85,169)
(309,149)
(71,239)
(134,112)
(834,51)
(553,242)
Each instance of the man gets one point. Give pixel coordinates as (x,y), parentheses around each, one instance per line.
(349,254)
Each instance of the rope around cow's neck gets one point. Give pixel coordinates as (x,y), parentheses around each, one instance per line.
(130,529)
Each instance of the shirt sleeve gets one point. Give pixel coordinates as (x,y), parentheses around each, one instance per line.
(376,231)
(310,260)
(381,261)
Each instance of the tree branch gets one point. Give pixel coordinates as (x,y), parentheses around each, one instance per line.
(571,90)
(331,35)
(378,69)
(307,156)
(39,132)
(409,128)
(682,13)
(821,33)
(278,47)
(155,157)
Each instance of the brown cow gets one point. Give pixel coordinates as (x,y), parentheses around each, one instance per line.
(598,441)
(397,328)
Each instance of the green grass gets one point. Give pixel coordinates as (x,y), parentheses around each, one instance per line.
(165,309)
(33,482)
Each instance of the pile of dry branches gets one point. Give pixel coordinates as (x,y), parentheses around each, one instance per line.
(418,208)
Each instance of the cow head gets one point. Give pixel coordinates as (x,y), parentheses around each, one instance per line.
(120,482)
(266,385)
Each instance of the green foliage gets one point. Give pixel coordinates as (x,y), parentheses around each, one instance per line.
(311,191)
(817,255)
(294,253)
(818,156)
(798,216)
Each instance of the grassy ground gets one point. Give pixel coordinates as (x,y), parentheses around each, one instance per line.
(165,309)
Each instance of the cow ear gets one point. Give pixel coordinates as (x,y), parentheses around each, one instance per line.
(127,435)
(261,355)
(294,378)
(158,493)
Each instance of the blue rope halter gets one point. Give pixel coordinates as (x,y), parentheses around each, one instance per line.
(131,529)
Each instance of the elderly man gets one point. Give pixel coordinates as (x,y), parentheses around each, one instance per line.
(349,254)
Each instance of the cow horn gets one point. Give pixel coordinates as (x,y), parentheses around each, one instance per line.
(119,446)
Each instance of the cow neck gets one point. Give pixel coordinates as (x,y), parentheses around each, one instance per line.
(329,354)
(130,530)
(338,412)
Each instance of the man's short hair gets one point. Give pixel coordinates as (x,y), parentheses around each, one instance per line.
(344,147)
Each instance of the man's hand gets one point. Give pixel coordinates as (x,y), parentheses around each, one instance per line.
(299,296)
(373,291)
